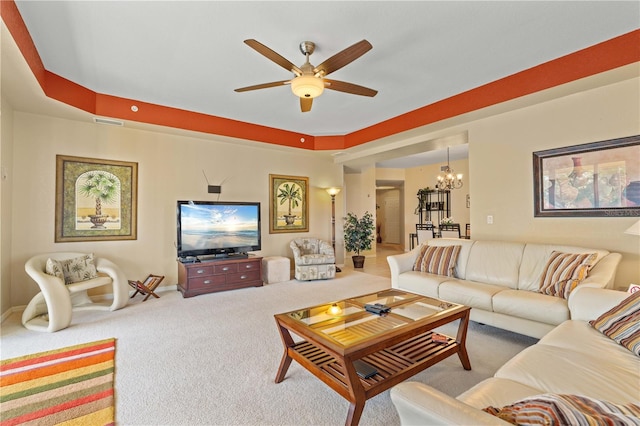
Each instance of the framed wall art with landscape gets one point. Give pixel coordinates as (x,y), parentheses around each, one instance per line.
(288,204)
(598,179)
(96,199)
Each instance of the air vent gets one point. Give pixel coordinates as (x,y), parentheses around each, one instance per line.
(107,121)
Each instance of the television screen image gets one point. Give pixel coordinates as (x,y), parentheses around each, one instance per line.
(217,227)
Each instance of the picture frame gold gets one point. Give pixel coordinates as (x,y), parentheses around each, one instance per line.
(288,204)
(597,179)
(96,199)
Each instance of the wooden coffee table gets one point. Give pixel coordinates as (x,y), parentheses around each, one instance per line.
(398,345)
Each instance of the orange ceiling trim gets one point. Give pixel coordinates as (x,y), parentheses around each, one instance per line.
(605,56)
(68,92)
(329,142)
(113,106)
(16,26)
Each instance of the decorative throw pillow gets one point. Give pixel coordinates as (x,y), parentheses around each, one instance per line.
(78,269)
(553,409)
(54,268)
(622,323)
(564,271)
(439,260)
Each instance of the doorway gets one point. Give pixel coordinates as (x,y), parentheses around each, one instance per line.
(389,208)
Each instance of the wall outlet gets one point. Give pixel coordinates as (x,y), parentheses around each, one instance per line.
(490,219)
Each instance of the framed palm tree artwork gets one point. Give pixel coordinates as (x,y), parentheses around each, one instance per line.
(288,204)
(95,199)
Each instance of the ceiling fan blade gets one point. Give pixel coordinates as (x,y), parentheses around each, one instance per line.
(305,104)
(275,57)
(354,89)
(344,57)
(263,86)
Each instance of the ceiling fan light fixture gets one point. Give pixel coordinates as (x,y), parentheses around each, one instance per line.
(307,86)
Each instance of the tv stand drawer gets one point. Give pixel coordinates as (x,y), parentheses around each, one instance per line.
(243,277)
(200,270)
(219,275)
(206,282)
(227,268)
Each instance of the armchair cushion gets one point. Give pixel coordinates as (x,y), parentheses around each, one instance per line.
(77,269)
(54,268)
(316,259)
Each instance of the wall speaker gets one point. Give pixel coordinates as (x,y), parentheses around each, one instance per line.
(214,189)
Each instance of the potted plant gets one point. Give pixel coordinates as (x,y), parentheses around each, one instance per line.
(358,235)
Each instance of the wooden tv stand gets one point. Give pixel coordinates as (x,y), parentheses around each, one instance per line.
(219,275)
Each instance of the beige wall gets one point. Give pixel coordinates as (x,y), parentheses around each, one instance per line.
(501,167)
(360,197)
(6,179)
(170,168)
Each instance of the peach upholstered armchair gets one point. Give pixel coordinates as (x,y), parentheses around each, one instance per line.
(61,292)
(314,259)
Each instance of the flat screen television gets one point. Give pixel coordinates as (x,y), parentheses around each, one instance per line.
(216,228)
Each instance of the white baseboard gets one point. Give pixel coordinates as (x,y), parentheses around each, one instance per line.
(108,296)
(11,311)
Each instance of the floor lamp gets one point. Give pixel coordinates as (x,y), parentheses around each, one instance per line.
(333,192)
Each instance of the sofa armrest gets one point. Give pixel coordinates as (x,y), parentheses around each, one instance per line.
(587,303)
(400,263)
(419,404)
(603,273)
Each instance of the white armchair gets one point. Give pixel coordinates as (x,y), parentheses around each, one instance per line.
(314,259)
(51,309)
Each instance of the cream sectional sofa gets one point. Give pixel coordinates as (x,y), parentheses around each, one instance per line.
(574,358)
(499,280)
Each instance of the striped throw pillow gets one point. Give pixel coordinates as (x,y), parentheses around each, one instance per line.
(622,323)
(564,271)
(437,260)
(554,409)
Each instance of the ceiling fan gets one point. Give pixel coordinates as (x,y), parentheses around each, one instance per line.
(309,81)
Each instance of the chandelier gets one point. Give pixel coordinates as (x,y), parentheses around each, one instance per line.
(447,180)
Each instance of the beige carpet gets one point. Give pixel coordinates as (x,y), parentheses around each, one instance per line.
(212,359)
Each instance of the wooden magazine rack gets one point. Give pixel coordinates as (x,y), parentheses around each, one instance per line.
(147,287)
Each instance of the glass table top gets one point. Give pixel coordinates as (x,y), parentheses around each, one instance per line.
(347,322)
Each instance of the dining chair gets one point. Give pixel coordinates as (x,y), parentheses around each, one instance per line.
(424,235)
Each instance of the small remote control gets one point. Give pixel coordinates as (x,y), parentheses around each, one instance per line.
(377,308)
(364,370)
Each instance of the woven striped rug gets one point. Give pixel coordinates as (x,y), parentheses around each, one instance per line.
(70,386)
